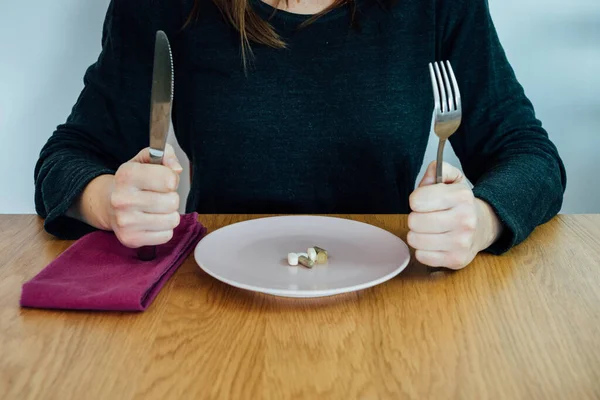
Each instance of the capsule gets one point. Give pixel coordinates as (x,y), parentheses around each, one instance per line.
(312,254)
(292,259)
(307,262)
(321,258)
(320,250)
(321,255)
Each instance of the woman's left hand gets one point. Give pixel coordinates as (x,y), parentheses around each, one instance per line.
(448,225)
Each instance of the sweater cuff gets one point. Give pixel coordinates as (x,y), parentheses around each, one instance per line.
(510,233)
(57,223)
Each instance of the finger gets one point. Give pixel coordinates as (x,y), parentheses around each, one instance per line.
(138,239)
(155,178)
(431,258)
(146,201)
(443,259)
(140,221)
(449,241)
(169,159)
(432,222)
(450,174)
(429,176)
(460,218)
(440,197)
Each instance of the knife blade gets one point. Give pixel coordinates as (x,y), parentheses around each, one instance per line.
(161,102)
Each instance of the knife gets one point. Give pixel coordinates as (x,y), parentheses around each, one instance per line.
(161,102)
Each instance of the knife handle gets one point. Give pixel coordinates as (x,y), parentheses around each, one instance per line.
(146,253)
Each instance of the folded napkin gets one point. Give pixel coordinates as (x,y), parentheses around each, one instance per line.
(98,273)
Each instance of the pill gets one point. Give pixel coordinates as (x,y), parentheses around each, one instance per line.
(321,255)
(293,259)
(312,254)
(321,258)
(320,250)
(306,261)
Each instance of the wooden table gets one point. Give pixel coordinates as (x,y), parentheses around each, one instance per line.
(525,325)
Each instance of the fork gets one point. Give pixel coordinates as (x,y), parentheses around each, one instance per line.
(447,110)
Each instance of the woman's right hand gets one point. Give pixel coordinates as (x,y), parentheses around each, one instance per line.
(139,203)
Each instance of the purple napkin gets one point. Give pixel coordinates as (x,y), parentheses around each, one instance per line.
(98,273)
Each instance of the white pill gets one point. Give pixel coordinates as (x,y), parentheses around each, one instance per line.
(312,254)
(293,259)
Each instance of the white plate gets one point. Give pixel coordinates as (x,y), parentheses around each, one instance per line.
(252,255)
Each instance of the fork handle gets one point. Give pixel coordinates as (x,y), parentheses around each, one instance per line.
(440,160)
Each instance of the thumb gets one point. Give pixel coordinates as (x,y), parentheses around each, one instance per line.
(450,174)
(169,159)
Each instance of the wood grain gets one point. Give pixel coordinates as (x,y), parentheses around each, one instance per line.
(525,325)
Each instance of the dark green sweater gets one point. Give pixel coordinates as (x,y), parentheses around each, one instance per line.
(336,123)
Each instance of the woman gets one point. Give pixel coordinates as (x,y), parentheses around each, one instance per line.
(305,107)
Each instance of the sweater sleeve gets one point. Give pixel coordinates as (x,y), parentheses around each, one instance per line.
(502,146)
(109,123)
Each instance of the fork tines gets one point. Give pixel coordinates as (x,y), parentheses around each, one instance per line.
(445,87)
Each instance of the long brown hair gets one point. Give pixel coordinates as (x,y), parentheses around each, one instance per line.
(251,27)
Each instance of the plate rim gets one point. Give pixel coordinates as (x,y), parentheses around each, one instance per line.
(305,293)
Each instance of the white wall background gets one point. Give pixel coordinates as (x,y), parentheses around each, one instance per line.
(553,45)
